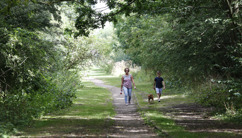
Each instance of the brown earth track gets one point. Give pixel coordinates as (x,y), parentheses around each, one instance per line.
(196,118)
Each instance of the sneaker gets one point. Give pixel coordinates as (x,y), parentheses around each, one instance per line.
(158,101)
(126,104)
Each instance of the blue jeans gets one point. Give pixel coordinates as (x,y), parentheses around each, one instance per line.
(127,92)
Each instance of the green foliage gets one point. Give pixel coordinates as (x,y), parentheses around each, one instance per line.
(233,116)
(6,129)
(119,55)
(20,108)
(38,69)
(152,43)
(143,76)
(191,43)
(101,44)
(228,92)
(108,67)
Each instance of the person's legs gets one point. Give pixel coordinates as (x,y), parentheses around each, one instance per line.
(125,95)
(129,93)
(158,92)
(159,96)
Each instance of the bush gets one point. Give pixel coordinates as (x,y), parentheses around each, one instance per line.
(6,128)
(19,107)
(107,66)
(224,95)
(235,116)
(142,76)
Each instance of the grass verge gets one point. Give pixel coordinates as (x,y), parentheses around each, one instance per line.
(89,116)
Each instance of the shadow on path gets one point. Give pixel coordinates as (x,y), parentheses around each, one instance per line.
(195,118)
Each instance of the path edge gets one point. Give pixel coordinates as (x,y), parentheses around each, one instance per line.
(148,121)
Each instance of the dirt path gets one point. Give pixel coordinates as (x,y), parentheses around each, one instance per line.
(128,122)
(195,118)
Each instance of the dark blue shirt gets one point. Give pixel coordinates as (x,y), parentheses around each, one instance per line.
(158,82)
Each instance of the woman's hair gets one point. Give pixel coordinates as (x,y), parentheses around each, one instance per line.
(125,69)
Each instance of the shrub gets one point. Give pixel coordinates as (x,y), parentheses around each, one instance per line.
(20,106)
(107,67)
(224,95)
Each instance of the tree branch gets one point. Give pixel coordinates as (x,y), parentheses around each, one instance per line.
(230,8)
(113,14)
(53,2)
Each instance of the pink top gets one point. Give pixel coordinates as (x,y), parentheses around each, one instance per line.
(127,81)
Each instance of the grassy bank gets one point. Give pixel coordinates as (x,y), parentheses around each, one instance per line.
(89,116)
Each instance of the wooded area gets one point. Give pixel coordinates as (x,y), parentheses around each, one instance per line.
(44,44)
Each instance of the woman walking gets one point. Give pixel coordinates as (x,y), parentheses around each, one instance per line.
(126,85)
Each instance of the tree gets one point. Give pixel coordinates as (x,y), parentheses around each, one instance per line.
(38,62)
(197,42)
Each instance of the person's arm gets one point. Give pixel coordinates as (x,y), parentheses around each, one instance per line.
(163,83)
(122,82)
(132,79)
